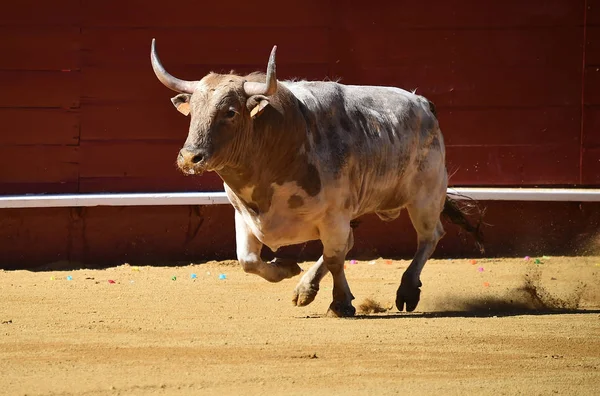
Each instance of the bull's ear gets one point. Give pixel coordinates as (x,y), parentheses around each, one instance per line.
(182,103)
(257,104)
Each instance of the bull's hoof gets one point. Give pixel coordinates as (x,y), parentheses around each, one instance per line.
(280,269)
(304,294)
(341,309)
(408,296)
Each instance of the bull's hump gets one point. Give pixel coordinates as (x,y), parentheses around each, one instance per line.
(331,90)
(313,92)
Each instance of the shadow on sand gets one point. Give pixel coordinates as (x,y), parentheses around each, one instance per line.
(483,313)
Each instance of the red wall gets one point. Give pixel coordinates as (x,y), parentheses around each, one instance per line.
(516,83)
(83,112)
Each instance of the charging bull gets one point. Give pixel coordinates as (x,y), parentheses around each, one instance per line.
(301,159)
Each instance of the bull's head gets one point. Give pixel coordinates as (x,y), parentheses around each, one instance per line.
(221,108)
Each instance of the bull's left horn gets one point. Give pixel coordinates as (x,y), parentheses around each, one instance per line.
(177,85)
(268,89)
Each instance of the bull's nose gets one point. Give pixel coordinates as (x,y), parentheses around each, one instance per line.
(190,156)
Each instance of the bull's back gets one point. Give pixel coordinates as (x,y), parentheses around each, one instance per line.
(371,142)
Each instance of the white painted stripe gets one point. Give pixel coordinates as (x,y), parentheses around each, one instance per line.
(220,198)
(113,199)
(528,194)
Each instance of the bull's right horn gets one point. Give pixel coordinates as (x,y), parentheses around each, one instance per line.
(259,88)
(168,80)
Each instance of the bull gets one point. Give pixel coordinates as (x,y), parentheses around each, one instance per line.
(300,160)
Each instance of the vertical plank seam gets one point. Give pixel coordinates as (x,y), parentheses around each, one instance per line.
(81,65)
(583,60)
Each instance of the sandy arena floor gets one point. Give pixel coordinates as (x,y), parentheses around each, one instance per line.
(149,334)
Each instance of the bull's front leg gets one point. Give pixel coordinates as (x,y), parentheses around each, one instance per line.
(248,249)
(306,290)
(337,240)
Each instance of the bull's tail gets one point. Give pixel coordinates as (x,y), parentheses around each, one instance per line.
(457,213)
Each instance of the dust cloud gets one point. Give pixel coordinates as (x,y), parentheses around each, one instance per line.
(530,296)
(370,306)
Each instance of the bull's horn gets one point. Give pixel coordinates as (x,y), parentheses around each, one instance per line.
(268,89)
(168,80)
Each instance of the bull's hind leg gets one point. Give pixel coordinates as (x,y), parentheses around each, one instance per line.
(425,217)
(248,249)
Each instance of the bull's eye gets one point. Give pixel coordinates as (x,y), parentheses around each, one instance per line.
(230,113)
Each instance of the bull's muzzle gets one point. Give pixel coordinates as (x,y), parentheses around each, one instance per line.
(191,161)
